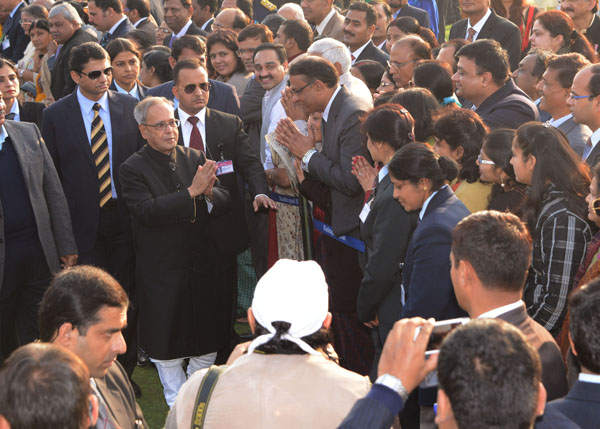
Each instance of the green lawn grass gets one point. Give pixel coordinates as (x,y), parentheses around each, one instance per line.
(152,401)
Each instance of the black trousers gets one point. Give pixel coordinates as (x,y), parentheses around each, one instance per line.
(114,253)
(26,278)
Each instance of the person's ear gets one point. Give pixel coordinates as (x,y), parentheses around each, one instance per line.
(459,152)
(66,335)
(486,78)
(93,416)
(251,320)
(75,76)
(142,129)
(285,66)
(541,401)
(530,163)
(172,62)
(327,321)
(175,91)
(4,423)
(444,417)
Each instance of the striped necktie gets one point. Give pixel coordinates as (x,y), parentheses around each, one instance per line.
(101,156)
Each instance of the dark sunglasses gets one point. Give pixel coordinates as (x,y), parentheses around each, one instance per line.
(596,206)
(191,87)
(93,75)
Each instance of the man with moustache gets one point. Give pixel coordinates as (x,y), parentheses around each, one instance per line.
(359,26)
(384,17)
(555,87)
(583,14)
(178,16)
(172,193)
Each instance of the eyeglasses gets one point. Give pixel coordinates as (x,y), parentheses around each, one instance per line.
(298,91)
(162,126)
(191,87)
(577,97)
(385,84)
(485,161)
(164,30)
(93,75)
(596,206)
(400,65)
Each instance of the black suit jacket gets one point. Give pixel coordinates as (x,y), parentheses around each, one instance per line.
(593,33)
(419,14)
(581,405)
(193,30)
(62,84)
(500,29)
(372,52)
(208,27)
(594,156)
(119,396)
(386,232)
(31,111)
(13,32)
(64,132)
(508,107)
(554,373)
(222,96)
(226,140)
(149,27)
(121,31)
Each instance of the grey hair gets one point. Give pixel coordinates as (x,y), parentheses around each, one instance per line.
(294,8)
(332,50)
(140,113)
(67,11)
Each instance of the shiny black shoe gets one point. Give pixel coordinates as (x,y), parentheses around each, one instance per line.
(143,359)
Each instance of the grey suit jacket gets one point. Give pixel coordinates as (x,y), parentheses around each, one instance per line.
(334,28)
(45,192)
(332,166)
(576,133)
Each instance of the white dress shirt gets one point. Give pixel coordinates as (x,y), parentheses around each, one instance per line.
(477,27)
(492,314)
(186,127)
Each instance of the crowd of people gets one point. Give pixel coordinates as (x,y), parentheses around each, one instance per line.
(335,174)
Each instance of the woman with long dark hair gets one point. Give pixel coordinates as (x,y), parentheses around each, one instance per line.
(459,135)
(223,62)
(556,215)
(494,167)
(554,30)
(385,226)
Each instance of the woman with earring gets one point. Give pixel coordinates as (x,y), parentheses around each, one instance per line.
(494,167)
(556,215)
(385,226)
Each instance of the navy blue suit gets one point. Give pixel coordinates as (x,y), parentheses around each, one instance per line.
(223,97)
(581,405)
(143,90)
(426,273)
